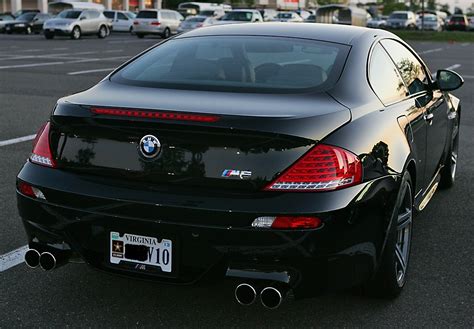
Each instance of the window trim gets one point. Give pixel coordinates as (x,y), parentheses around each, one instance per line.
(423,65)
(369,58)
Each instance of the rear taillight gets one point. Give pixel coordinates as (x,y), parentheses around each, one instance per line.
(41,153)
(31,191)
(136,23)
(156,23)
(178,116)
(287,222)
(322,168)
(199,25)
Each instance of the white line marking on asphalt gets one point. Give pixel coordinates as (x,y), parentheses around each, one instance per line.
(114,51)
(29,65)
(465,44)
(453,67)
(468,76)
(60,48)
(17,140)
(31,50)
(12,258)
(430,51)
(90,71)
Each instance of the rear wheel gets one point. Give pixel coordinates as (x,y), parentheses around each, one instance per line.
(76,33)
(392,273)
(48,35)
(448,173)
(166,33)
(102,32)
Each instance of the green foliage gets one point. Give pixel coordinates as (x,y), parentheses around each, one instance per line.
(445,36)
(389,7)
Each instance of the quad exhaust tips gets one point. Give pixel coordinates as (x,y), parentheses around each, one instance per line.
(45,260)
(271,297)
(32,258)
(245,294)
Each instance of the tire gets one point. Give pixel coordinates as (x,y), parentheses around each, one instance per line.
(140,35)
(76,33)
(49,36)
(166,33)
(391,275)
(103,32)
(448,173)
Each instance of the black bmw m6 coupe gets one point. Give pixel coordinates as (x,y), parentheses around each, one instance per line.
(290,158)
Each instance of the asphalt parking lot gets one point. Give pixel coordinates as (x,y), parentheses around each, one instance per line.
(35,72)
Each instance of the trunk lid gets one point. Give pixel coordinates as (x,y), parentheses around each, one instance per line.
(254,138)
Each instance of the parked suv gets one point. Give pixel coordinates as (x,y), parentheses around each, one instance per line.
(76,23)
(402,20)
(153,21)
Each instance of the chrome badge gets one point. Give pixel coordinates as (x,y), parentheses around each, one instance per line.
(150,146)
(242,174)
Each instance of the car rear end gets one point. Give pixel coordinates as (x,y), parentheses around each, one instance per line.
(148,22)
(192,22)
(178,183)
(457,22)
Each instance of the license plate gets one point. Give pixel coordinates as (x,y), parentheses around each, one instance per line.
(141,250)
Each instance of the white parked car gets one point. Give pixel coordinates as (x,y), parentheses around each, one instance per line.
(288,16)
(194,22)
(378,22)
(241,16)
(430,22)
(76,23)
(159,22)
(122,21)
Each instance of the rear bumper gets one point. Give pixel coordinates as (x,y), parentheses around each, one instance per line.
(212,236)
(146,29)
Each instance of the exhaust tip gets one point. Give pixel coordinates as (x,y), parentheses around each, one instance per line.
(245,294)
(32,258)
(271,298)
(47,261)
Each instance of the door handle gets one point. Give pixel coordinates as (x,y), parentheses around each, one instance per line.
(429,118)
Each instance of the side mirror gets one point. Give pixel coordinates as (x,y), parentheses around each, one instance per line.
(82,18)
(448,80)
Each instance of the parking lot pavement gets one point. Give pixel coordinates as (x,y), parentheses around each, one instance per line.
(35,72)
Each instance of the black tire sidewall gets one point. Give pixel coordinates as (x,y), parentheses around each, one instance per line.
(385,283)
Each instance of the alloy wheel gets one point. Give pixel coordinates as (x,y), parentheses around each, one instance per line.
(404,231)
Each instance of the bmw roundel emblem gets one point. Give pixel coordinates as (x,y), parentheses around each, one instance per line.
(150,146)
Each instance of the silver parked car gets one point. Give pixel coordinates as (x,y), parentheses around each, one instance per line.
(76,23)
(193,22)
(153,21)
(430,22)
(402,19)
(122,21)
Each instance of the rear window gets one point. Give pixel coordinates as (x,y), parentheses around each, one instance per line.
(194,19)
(109,14)
(399,16)
(147,14)
(241,16)
(238,64)
(285,15)
(457,19)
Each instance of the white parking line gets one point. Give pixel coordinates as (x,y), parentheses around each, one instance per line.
(91,71)
(17,140)
(465,44)
(29,65)
(453,67)
(468,76)
(12,258)
(430,51)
